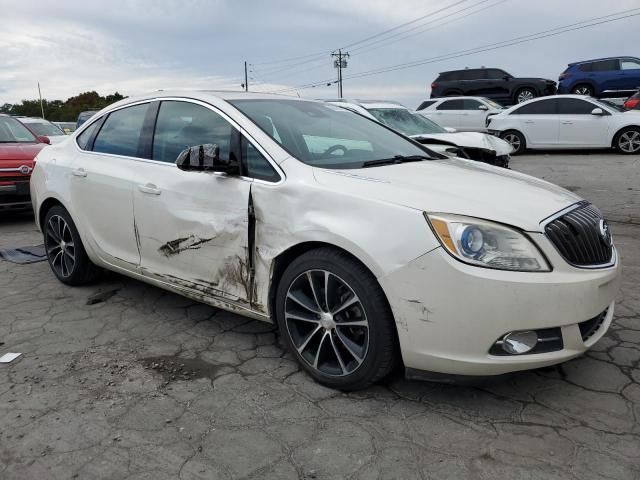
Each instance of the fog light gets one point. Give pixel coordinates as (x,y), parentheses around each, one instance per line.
(516,343)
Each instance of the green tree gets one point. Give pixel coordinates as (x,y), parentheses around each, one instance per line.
(62,111)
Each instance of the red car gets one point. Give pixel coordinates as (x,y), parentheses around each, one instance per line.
(18,148)
(633,102)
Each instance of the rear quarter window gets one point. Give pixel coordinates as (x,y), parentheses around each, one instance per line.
(425,104)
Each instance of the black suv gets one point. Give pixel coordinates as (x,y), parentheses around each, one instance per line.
(492,83)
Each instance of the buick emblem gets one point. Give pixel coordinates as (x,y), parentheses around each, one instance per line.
(605,234)
(25,169)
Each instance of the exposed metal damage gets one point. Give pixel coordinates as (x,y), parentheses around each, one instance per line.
(192,242)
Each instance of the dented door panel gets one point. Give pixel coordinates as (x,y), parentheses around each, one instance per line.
(194,233)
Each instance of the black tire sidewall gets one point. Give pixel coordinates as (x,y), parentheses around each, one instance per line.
(616,142)
(524,89)
(523,144)
(82,265)
(382,333)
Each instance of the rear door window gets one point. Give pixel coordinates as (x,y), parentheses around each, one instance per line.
(605,66)
(181,125)
(120,133)
(542,107)
(574,106)
(471,74)
(457,104)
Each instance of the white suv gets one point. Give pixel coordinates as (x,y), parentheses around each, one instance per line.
(364,247)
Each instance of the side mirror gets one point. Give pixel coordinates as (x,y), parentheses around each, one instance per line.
(483,107)
(450,130)
(597,111)
(43,139)
(506,77)
(204,158)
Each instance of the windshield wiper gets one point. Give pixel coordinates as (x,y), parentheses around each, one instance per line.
(396,159)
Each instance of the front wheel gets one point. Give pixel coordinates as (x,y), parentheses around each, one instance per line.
(335,320)
(66,254)
(583,90)
(516,140)
(627,141)
(525,94)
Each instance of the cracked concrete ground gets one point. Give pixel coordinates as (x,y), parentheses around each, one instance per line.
(138,383)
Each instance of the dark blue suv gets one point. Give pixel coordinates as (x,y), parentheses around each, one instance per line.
(603,77)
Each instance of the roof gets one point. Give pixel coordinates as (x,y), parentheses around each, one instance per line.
(601,59)
(33,120)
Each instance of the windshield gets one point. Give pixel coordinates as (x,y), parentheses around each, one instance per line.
(406,121)
(12,131)
(325,135)
(491,103)
(44,128)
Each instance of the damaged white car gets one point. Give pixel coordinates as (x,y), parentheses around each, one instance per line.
(366,248)
(447,141)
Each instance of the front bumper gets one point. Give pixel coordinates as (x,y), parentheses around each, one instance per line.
(15,195)
(449,314)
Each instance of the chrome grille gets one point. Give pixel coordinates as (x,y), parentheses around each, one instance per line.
(577,237)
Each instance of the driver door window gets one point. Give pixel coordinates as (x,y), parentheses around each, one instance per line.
(181,125)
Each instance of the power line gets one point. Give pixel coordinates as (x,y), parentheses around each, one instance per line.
(314,57)
(493,46)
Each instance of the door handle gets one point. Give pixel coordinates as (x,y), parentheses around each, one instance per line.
(528,121)
(567,123)
(150,189)
(79,172)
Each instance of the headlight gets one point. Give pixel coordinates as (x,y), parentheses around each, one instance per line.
(486,244)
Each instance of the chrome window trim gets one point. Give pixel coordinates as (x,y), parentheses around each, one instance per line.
(202,103)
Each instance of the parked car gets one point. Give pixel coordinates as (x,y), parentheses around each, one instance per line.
(66,127)
(363,246)
(568,121)
(633,102)
(465,114)
(84,116)
(18,148)
(603,77)
(42,127)
(472,145)
(492,83)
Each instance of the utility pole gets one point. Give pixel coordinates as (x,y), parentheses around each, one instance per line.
(246,78)
(340,62)
(40,95)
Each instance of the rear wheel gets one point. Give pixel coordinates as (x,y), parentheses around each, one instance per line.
(583,89)
(516,140)
(66,254)
(335,319)
(627,141)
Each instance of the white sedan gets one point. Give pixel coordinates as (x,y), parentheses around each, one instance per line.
(472,145)
(568,122)
(466,114)
(368,250)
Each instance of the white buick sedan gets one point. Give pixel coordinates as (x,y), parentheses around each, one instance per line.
(568,121)
(367,249)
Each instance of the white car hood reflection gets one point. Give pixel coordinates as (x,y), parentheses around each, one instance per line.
(470,140)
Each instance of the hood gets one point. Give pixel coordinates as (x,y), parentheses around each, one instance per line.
(471,140)
(456,186)
(534,79)
(19,152)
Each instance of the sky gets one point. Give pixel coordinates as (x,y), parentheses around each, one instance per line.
(132,47)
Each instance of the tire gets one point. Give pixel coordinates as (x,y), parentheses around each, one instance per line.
(320,340)
(583,89)
(66,254)
(627,141)
(524,94)
(516,140)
